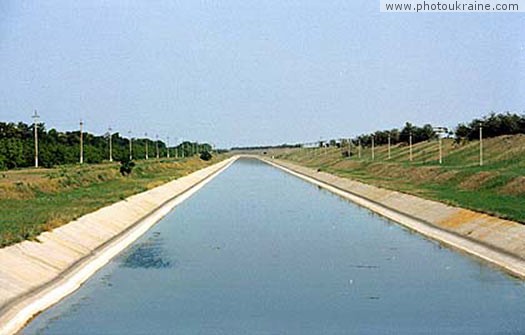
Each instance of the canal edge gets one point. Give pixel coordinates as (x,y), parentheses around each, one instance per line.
(19,310)
(505,259)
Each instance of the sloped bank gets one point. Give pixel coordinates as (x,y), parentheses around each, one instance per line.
(36,274)
(497,241)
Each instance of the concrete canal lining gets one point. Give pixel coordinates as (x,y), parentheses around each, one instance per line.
(36,274)
(497,241)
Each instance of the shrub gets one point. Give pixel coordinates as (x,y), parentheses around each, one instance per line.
(205,156)
(126,167)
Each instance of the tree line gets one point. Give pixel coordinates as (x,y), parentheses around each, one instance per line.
(267,147)
(58,148)
(493,125)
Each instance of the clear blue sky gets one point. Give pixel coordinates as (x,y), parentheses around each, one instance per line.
(254,72)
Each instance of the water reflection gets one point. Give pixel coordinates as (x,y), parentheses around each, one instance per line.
(150,254)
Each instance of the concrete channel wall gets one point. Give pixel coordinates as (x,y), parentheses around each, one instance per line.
(500,242)
(36,274)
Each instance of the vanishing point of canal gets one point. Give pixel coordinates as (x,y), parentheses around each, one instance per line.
(258,251)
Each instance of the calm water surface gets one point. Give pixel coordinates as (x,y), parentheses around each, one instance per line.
(258,251)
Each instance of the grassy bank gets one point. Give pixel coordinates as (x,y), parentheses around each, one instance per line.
(497,188)
(36,200)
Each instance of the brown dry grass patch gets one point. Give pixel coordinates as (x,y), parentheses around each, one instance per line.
(477,180)
(16,191)
(515,187)
(412,174)
(446,176)
(347,165)
(56,220)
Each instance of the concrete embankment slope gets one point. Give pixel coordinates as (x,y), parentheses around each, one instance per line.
(492,239)
(36,274)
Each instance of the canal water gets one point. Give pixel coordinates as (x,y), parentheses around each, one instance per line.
(258,251)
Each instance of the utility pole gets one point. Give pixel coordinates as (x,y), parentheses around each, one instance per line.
(307,148)
(359,149)
(157,145)
(480,144)
(110,144)
(440,151)
(168,148)
(349,147)
(389,155)
(130,146)
(81,144)
(35,127)
(410,146)
(439,131)
(146,135)
(373,153)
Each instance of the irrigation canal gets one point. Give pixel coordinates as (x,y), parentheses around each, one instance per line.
(258,251)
